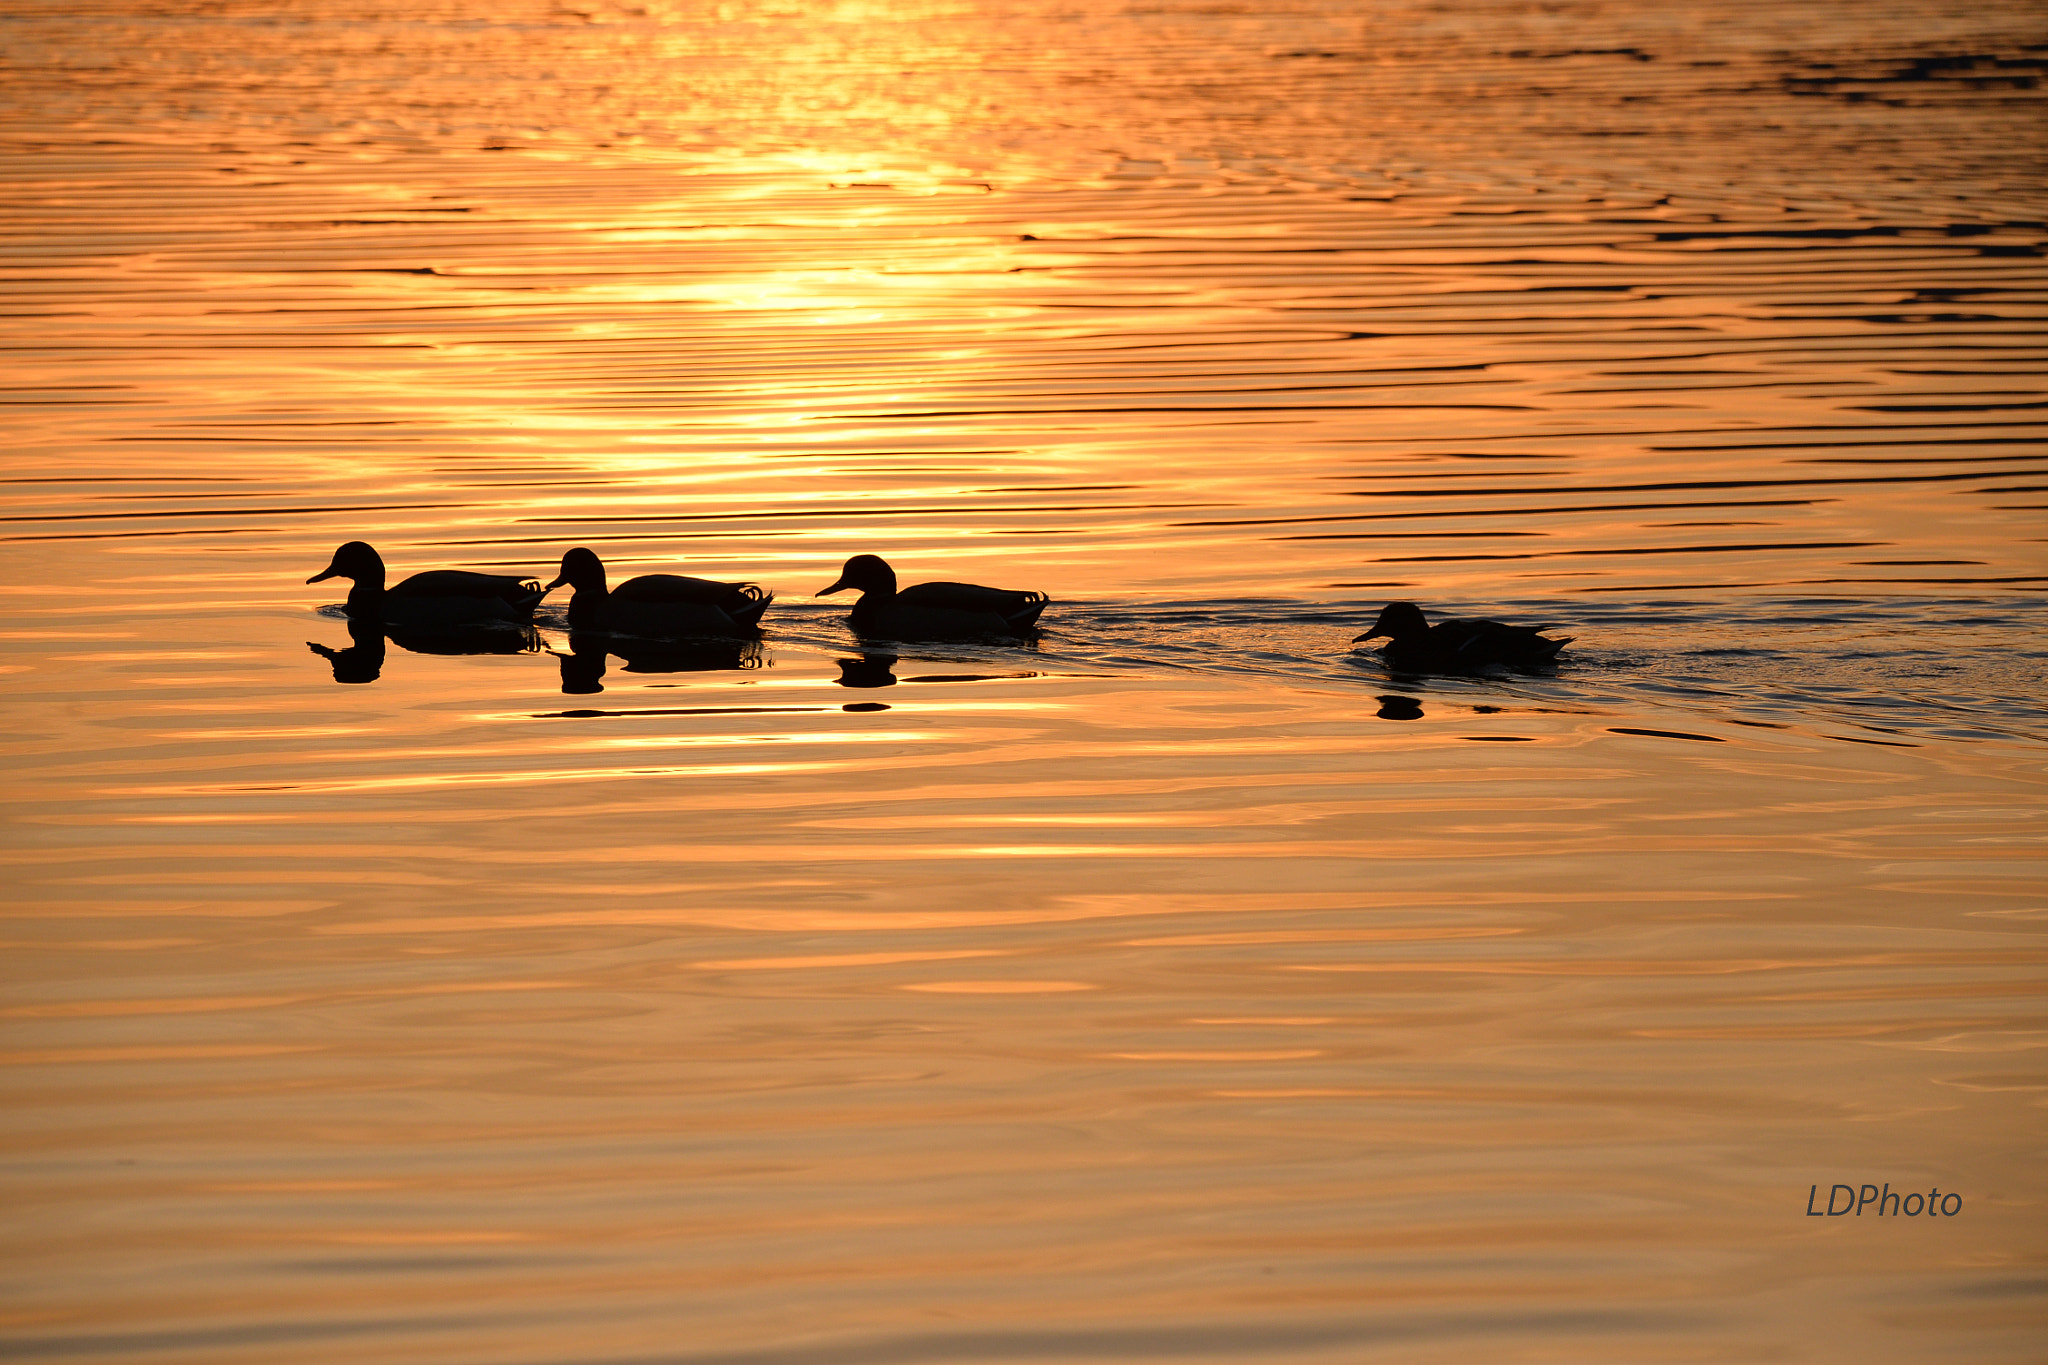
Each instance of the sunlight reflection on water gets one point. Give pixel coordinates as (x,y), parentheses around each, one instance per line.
(1182,984)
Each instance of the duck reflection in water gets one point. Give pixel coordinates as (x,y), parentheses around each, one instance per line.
(490,639)
(583,667)
(869,670)
(362,659)
(1398,707)
(689,656)
(876,669)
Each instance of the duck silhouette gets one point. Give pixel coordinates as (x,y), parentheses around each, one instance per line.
(1458,646)
(658,604)
(931,610)
(436,599)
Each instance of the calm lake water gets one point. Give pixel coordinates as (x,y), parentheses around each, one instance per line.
(1181,986)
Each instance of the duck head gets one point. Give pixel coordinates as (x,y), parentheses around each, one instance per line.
(355,561)
(1398,621)
(869,573)
(581,569)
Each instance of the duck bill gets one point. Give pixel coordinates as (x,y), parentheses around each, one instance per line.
(1369,635)
(329,572)
(556,584)
(841,585)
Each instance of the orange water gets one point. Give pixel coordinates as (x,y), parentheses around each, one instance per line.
(1182,986)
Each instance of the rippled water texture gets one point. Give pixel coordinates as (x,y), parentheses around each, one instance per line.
(1183,985)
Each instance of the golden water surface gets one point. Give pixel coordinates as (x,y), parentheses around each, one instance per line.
(1184,985)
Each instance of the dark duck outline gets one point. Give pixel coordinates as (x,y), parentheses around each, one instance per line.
(657,604)
(927,610)
(1458,646)
(438,598)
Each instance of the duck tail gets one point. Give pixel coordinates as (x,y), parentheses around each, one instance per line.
(526,597)
(748,602)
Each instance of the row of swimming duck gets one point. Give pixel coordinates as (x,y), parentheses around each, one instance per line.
(671,605)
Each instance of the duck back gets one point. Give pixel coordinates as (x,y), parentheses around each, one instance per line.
(1478,644)
(662,604)
(465,583)
(740,603)
(449,597)
(1016,610)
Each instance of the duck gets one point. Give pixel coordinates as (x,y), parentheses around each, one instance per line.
(929,610)
(1458,646)
(436,599)
(658,604)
